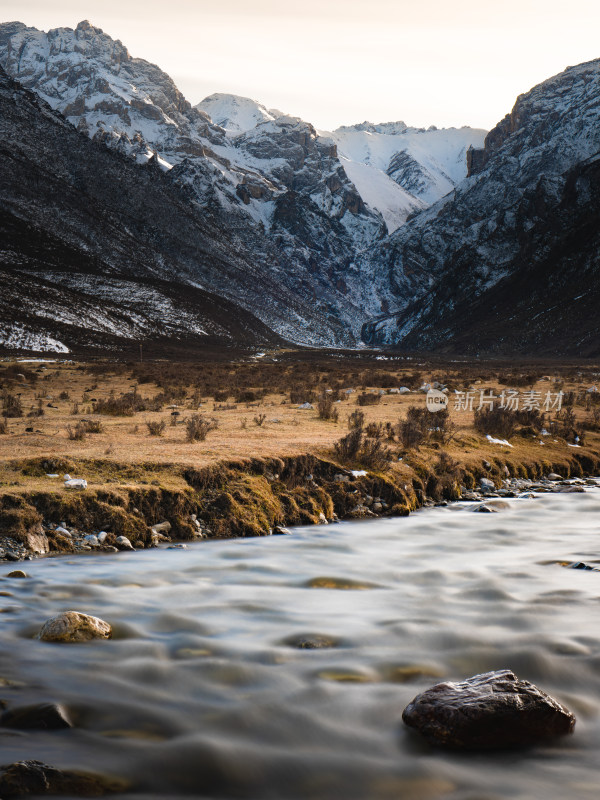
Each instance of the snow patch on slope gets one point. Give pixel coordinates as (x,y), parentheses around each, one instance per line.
(381,193)
(18,337)
(427,164)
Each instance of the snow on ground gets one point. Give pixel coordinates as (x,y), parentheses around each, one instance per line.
(17,337)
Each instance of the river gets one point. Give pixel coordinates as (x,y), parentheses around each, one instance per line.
(200,693)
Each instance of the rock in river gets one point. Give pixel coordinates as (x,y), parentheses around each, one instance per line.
(25,778)
(43,716)
(494,710)
(72,626)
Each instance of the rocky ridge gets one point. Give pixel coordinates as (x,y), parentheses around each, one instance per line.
(508,261)
(279,192)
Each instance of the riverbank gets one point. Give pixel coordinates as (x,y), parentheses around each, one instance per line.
(170,453)
(127,507)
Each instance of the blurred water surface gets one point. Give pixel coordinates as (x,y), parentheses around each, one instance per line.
(202,692)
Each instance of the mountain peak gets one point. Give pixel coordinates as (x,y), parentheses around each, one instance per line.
(236,114)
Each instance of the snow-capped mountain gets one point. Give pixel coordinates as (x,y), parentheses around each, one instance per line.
(97,251)
(424,164)
(279,190)
(396,169)
(509,260)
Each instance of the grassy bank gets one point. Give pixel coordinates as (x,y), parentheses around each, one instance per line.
(262,461)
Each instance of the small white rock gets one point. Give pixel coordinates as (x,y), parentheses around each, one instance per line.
(123,543)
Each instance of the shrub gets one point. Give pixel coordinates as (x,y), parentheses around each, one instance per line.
(413,430)
(355,446)
(368,399)
(125,405)
(92,425)
(592,422)
(156,428)
(64,395)
(11,405)
(76,433)
(374,454)
(503,422)
(3,426)
(346,449)
(496,422)
(300,394)
(380,430)
(564,425)
(326,407)
(198,427)
(247,396)
(259,420)
(356,420)
(37,412)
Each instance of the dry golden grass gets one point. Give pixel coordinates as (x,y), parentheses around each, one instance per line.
(287,430)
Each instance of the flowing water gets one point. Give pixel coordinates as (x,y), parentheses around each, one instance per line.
(201,694)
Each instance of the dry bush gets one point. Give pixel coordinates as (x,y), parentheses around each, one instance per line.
(443,483)
(565,425)
(326,407)
(156,428)
(260,419)
(64,395)
(11,405)
(37,412)
(77,432)
(374,454)
(123,405)
(355,446)
(380,430)
(592,423)
(413,431)
(518,379)
(368,399)
(495,421)
(248,396)
(504,422)
(92,425)
(301,394)
(3,426)
(198,427)
(346,449)
(356,420)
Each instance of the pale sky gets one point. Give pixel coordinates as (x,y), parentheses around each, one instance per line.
(336,62)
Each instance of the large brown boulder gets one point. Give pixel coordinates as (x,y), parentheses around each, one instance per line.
(494,710)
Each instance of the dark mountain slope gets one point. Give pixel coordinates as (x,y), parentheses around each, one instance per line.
(68,204)
(510,262)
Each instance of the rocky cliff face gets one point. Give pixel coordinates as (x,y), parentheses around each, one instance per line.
(508,261)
